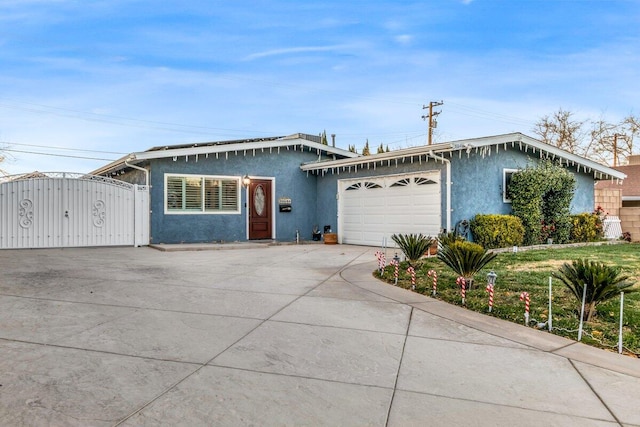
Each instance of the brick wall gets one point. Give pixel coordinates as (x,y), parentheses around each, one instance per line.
(630,221)
(610,200)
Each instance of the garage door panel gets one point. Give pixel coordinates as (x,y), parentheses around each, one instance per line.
(369,215)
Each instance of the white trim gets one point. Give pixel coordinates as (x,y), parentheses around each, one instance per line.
(238,180)
(517,140)
(239,147)
(505,171)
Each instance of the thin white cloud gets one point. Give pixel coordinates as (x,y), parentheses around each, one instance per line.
(404,39)
(295,50)
(467,1)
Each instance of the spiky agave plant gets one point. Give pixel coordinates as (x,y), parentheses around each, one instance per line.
(465,258)
(603,282)
(413,246)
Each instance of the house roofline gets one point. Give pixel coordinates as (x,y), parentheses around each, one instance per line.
(303,141)
(484,144)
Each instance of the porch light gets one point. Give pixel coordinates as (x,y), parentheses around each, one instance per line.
(246,181)
(491,278)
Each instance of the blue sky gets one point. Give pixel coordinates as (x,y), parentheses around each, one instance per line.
(120,76)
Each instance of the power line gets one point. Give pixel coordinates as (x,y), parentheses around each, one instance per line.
(477,112)
(57,155)
(61,148)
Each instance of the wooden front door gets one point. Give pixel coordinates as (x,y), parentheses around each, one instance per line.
(260,212)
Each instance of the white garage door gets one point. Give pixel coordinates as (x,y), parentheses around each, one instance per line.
(371,209)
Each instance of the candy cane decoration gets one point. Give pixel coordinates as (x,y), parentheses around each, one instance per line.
(412,272)
(490,290)
(463,285)
(432,273)
(527,300)
(383,263)
(396,264)
(379,256)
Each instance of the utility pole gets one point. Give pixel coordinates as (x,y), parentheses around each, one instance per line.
(615,146)
(432,123)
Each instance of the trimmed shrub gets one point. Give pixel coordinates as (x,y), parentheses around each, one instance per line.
(497,231)
(541,197)
(586,227)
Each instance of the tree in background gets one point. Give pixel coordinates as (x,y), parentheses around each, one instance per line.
(380,149)
(561,130)
(352,149)
(323,138)
(366,151)
(598,140)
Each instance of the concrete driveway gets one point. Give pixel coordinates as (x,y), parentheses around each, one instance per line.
(280,335)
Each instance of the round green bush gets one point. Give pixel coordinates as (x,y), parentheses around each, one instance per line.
(497,231)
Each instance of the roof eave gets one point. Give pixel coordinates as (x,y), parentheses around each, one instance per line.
(381,157)
(243,147)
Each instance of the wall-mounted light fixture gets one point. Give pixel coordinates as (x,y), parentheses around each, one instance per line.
(246,181)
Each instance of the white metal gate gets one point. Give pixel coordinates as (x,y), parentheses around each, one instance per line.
(49,210)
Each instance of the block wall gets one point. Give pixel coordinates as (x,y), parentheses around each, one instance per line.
(610,200)
(630,222)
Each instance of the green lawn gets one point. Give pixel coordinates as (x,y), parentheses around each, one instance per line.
(530,271)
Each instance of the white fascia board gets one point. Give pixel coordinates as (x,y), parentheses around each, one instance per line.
(539,145)
(360,159)
(115,165)
(244,146)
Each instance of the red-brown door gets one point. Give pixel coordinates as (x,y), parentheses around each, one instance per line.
(260,209)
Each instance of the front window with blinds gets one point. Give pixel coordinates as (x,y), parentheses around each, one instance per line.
(202,194)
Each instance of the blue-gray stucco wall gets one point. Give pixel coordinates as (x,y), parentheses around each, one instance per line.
(476,183)
(290,182)
(476,188)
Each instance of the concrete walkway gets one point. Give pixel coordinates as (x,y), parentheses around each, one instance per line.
(280,335)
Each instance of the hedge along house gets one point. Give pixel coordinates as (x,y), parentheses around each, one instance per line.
(295,183)
(437,187)
(229,191)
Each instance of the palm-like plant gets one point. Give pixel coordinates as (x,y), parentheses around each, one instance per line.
(465,258)
(413,246)
(603,282)
(446,238)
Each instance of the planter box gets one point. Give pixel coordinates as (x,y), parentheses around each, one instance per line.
(330,238)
